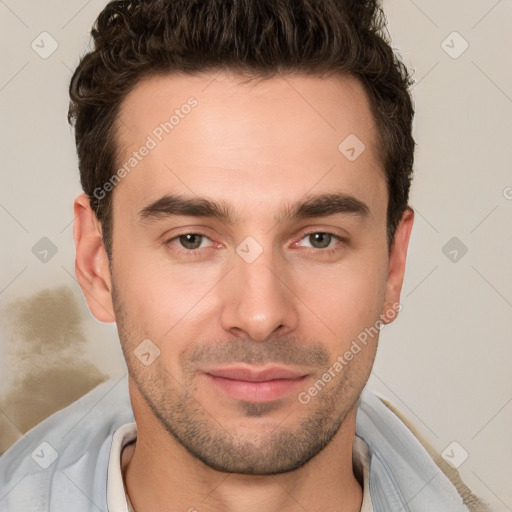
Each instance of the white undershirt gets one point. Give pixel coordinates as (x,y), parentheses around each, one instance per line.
(118,501)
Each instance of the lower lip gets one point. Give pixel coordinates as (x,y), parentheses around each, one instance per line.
(264,391)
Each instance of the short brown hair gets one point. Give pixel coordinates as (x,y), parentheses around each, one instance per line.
(259,38)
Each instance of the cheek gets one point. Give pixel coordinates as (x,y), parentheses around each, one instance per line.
(337,299)
(347,297)
(161,299)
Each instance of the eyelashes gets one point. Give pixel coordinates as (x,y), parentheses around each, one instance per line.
(176,242)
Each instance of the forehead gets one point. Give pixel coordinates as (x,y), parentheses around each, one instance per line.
(216,133)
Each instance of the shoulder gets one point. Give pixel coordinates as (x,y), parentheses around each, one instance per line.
(412,466)
(65,457)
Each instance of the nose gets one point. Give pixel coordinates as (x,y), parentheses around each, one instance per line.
(258,299)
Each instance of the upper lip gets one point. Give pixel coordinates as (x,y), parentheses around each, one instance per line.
(252,374)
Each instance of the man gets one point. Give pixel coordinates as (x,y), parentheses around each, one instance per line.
(246,168)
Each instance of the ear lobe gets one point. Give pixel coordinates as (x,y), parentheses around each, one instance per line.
(91,261)
(396,267)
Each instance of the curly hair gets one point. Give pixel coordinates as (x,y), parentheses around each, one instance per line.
(135,39)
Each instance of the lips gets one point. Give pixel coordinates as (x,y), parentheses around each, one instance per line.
(255,384)
(254,375)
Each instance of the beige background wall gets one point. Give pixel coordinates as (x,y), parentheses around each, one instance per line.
(445,363)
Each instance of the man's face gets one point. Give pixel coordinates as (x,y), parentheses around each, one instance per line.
(248,312)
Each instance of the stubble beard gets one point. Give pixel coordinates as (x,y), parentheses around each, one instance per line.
(269,448)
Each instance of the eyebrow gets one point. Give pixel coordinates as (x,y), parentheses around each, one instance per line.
(320,205)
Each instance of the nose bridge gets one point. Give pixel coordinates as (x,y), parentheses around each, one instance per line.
(257,300)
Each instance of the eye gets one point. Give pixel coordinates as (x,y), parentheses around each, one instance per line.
(322,240)
(191,243)
(191,240)
(188,242)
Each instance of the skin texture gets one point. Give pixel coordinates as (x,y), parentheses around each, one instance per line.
(257,147)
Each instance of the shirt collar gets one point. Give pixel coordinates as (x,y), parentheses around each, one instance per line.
(118,500)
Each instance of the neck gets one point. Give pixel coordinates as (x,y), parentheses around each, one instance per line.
(161,475)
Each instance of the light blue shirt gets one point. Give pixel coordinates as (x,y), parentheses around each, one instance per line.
(61,465)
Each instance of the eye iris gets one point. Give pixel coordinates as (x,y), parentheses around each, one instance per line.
(192,239)
(324,239)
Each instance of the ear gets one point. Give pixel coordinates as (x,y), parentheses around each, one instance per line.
(91,262)
(396,267)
